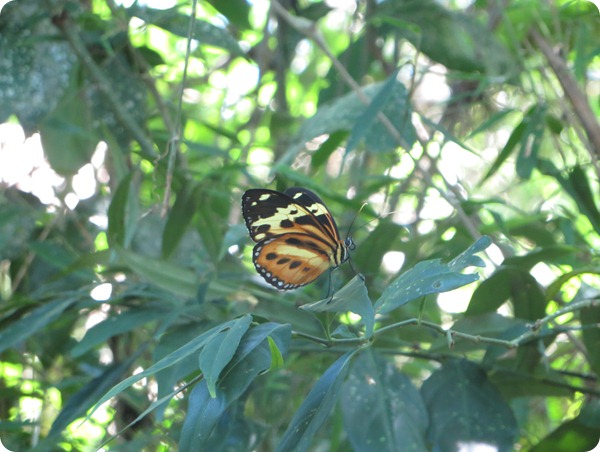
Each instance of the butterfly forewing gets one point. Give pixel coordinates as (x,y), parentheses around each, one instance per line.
(297,238)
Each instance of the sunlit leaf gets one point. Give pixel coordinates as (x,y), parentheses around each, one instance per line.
(432,276)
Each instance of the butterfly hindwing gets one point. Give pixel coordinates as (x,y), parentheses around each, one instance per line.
(290,260)
(297,238)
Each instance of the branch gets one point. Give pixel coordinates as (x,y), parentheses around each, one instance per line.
(572,91)
(70,33)
(307,28)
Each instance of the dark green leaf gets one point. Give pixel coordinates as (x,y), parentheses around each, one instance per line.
(465,409)
(179,218)
(118,213)
(169,276)
(429,277)
(590,321)
(251,359)
(67,135)
(113,326)
(321,155)
(178,24)
(32,323)
(509,283)
(364,122)
(219,350)
(397,418)
(316,408)
(352,297)
(581,434)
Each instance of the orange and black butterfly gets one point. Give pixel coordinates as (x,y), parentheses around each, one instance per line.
(297,238)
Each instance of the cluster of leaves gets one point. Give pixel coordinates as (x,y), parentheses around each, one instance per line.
(190,348)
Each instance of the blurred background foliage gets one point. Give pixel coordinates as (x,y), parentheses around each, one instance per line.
(125,267)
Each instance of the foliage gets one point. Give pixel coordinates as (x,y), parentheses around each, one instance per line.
(134,318)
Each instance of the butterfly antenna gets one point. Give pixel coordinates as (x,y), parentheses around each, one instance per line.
(354,219)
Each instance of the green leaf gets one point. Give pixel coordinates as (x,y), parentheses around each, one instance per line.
(352,297)
(178,24)
(321,155)
(590,319)
(118,213)
(113,326)
(364,122)
(67,135)
(397,418)
(251,359)
(429,277)
(179,219)
(525,138)
(169,276)
(509,283)
(171,359)
(219,350)
(34,322)
(344,112)
(369,253)
(78,404)
(316,408)
(580,434)
(466,409)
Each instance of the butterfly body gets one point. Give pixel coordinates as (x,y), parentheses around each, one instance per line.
(296,237)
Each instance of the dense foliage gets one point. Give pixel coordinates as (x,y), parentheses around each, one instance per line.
(130,311)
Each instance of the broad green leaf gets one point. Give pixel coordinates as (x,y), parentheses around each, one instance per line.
(509,283)
(352,297)
(178,220)
(178,23)
(343,113)
(251,359)
(113,326)
(165,274)
(369,115)
(67,134)
(452,38)
(559,254)
(316,408)
(397,418)
(171,359)
(432,276)
(33,323)
(219,350)
(465,409)
(579,434)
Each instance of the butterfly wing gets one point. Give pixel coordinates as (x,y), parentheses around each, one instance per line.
(297,238)
(290,260)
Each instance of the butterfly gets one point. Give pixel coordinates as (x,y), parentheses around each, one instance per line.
(296,237)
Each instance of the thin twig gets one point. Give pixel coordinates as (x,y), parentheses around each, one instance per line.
(72,36)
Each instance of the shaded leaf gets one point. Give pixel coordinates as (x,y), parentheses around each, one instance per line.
(352,297)
(581,434)
(219,350)
(397,418)
(252,358)
(316,408)
(465,409)
(33,322)
(170,276)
